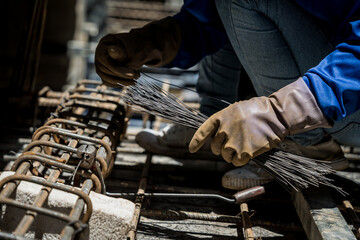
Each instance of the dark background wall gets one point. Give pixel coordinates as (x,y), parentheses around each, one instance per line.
(20,75)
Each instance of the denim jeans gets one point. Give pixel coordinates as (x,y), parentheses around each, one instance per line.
(275,42)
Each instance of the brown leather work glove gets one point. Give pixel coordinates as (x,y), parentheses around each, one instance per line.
(249,128)
(119,57)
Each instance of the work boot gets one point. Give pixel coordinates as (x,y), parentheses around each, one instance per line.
(251,175)
(172,141)
(247,176)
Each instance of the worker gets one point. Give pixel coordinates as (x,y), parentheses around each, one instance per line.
(303,60)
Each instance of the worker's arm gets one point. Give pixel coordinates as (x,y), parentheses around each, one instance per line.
(119,57)
(329,91)
(179,41)
(335,82)
(249,128)
(202,32)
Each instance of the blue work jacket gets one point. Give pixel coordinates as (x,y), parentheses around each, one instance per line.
(335,81)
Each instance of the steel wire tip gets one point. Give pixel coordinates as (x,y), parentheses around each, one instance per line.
(152,99)
(290,170)
(294,171)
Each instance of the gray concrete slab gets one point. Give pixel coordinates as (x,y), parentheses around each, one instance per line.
(110,218)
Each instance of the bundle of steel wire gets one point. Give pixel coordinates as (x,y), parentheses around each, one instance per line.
(290,170)
(152,99)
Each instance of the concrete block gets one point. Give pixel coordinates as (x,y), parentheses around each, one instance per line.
(110,219)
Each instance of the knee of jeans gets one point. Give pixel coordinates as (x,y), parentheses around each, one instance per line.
(349,135)
(347,130)
(247,4)
(226,4)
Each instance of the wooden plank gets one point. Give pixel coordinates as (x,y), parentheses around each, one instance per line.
(319,215)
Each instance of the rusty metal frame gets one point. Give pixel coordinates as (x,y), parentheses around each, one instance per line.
(243,221)
(55,134)
(45,183)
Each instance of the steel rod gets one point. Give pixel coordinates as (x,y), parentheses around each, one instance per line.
(172,214)
(246,223)
(174,195)
(76,212)
(28,219)
(139,199)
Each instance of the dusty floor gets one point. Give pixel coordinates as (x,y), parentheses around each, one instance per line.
(197,176)
(273,215)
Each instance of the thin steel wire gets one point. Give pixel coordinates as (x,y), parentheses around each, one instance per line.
(152,99)
(290,170)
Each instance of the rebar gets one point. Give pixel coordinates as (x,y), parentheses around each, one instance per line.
(75,147)
(139,198)
(172,214)
(175,195)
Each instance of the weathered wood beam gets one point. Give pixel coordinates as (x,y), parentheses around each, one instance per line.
(319,215)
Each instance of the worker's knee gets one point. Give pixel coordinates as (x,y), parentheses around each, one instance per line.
(347,130)
(230,7)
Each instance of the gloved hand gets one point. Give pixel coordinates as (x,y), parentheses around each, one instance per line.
(119,57)
(249,128)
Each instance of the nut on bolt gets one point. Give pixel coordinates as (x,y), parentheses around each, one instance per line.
(87,154)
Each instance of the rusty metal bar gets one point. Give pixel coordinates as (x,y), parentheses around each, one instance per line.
(22,169)
(76,96)
(76,138)
(28,219)
(175,195)
(76,212)
(97,90)
(93,107)
(246,223)
(90,82)
(43,160)
(139,198)
(172,214)
(82,125)
(9,236)
(67,133)
(86,118)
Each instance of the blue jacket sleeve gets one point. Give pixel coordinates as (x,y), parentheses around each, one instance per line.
(335,82)
(202,32)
